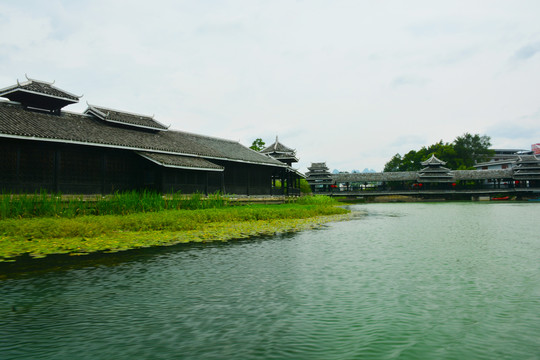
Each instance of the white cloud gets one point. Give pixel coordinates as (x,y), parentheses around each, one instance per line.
(346,82)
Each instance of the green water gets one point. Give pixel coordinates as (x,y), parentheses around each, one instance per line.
(407,281)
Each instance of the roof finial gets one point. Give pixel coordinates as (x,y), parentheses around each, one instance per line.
(27,78)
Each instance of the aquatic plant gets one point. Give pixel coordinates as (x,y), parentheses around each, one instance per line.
(83,234)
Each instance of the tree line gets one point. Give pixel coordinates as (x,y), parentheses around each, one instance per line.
(461,154)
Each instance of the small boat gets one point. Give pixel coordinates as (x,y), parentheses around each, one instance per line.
(534,199)
(501,198)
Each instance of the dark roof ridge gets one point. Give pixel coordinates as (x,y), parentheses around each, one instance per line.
(125,118)
(211,137)
(96,107)
(85,129)
(48,83)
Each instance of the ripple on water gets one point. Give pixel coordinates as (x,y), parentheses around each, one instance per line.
(404,281)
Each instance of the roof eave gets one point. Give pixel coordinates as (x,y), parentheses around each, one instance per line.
(71,101)
(112,146)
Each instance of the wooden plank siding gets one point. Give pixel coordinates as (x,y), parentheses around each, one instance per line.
(29,166)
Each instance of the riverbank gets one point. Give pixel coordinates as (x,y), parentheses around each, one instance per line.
(39,237)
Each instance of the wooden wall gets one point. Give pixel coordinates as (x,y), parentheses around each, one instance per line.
(29,166)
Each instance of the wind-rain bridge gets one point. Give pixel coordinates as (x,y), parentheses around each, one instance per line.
(433,181)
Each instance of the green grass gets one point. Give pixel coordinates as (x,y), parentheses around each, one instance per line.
(321,200)
(83,234)
(42,204)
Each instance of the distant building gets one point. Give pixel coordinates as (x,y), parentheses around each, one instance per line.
(524,172)
(319,177)
(502,159)
(105,150)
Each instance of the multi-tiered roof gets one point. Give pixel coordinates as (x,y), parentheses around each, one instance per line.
(104,127)
(527,168)
(319,174)
(434,171)
(280,152)
(39,95)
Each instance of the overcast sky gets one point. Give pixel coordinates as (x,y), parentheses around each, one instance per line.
(347,82)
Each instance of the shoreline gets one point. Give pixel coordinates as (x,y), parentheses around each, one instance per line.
(24,264)
(216,227)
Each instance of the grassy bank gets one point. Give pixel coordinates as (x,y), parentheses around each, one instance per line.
(40,236)
(43,204)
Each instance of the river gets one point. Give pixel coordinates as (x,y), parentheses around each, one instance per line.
(407,281)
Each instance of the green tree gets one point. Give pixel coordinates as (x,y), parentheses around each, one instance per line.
(257,145)
(471,149)
(393,164)
(412,160)
(461,154)
(444,152)
(304,187)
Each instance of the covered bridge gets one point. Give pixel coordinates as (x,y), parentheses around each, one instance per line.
(525,174)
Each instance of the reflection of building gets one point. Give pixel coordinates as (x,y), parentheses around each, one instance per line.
(105,150)
(319,177)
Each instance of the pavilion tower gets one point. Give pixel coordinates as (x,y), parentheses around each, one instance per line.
(434,172)
(280,152)
(318,177)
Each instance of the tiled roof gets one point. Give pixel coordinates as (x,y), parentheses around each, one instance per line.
(528,166)
(39,94)
(69,127)
(318,166)
(482,174)
(278,147)
(125,118)
(284,157)
(527,159)
(413,175)
(433,161)
(385,176)
(180,161)
(40,87)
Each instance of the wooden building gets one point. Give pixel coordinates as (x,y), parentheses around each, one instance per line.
(524,173)
(527,171)
(319,177)
(281,152)
(287,156)
(105,150)
(434,174)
